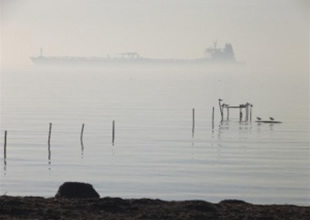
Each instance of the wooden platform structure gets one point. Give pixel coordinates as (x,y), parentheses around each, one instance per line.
(247,108)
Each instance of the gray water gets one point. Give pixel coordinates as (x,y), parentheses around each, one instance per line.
(155,153)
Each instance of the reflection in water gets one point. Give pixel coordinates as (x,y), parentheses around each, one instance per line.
(49,156)
(271,126)
(193,147)
(82,148)
(243,128)
(81,140)
(4,168)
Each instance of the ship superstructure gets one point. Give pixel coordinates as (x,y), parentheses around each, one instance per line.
(225,54)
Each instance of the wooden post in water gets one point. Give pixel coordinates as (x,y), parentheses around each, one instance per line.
(221,110)
(193,128)
(240,117)
(5,139)
(49,134)
(227,112)
(49,143)
(82,132)
(247,111)
(251,112)
(81,138)
(213,118)
(113,131)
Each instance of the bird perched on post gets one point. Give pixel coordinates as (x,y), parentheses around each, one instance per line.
(271,118)
(258,118)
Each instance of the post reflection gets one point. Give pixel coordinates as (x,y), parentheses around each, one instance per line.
(49,156)
(4,167)
(82,148)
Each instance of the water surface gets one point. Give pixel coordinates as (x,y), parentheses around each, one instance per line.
(155,153)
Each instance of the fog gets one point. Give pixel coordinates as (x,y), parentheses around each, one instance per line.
(152,105)
(264,34)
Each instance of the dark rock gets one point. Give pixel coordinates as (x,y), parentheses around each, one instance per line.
(115,205)
(76,190)
(201,206)
(233,201)
(21,208)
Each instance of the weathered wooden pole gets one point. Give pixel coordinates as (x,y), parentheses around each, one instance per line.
(193,127)
(49,143)
(223,106)
(113,131)
(5,140)
(247,111)
(49,134)
(221,110)
(81,137)
(251,112)
(240,114)
(213,118)
(82,132)
(227,112)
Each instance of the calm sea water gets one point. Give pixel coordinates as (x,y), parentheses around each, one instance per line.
(155,153)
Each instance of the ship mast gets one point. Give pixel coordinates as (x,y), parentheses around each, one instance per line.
(215,43)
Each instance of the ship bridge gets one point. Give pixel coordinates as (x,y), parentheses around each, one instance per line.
(130,55)
(221,54)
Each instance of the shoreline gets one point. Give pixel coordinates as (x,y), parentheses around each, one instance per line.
(33,207)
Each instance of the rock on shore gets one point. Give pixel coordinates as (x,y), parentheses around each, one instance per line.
(76,190)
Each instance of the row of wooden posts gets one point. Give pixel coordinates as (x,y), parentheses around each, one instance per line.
(50,134)
(248,116)
(82,132)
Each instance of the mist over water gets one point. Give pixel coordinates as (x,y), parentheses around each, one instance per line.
(155,153)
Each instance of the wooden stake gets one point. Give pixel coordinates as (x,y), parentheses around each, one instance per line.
(5,139)
(221,110)
(49,134)
(251,112)
(227,112)
(113,131)
(49,143)
(213,118)
(82,132)
(193,128)
(81,138)
(246,111)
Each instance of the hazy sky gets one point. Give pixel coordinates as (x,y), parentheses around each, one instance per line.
(262,32)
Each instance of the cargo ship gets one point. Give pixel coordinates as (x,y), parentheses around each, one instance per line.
(213,55)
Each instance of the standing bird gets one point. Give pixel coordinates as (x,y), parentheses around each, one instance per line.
(258,118)
(271,118)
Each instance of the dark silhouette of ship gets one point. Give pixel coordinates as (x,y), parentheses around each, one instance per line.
(214,55)
(225,54)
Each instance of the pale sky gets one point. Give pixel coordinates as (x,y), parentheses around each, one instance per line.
(262,32)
